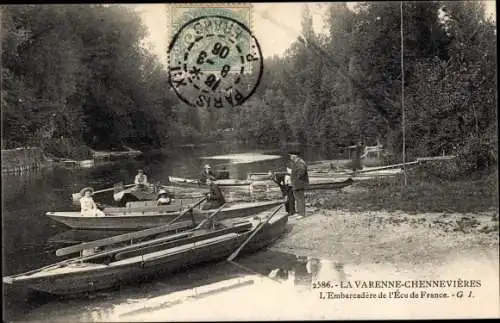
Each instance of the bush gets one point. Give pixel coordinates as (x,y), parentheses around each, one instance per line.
(67,148)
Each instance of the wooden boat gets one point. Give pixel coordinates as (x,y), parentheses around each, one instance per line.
(125,195)
(315,183)
(78,236)
(327,184)
(259,176)
(197,183)
(150,258)
(136,217)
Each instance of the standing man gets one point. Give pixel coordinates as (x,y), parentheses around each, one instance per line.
(299,179)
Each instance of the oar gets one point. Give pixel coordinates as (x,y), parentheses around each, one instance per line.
(209,217)
(125,237)
(104,253)
(76,195)
(255,231)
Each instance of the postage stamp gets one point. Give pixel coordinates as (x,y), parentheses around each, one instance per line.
(214,59)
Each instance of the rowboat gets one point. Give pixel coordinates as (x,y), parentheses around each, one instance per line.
(134,217)
(327,184)
(196,183)
(315,183)
(145,260)
(259,176)
(132,193)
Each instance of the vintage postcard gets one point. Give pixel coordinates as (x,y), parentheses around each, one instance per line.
(249,161)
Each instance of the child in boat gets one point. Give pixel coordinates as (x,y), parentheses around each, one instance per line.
(215,198)
(88,206)
(163,198)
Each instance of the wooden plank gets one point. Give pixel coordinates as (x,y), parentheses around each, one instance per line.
(189,239)
(255,231)
(386,167)
(123,237)
(436,158)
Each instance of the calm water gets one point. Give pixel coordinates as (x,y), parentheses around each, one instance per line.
(30,238)
(266,285)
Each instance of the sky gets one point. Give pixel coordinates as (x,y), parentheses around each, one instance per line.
(265,18)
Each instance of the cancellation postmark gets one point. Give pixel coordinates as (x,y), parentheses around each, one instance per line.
(214,61)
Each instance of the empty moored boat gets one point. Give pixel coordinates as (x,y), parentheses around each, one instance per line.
(131,263)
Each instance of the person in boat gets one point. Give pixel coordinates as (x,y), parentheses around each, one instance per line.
(88,206)
(284,182)
(141,180)
(164,198)
(215,198)
(207,174)
(299,179)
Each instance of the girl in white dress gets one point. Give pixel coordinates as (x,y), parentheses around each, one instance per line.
(88,206)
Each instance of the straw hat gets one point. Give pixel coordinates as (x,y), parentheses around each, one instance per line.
(82,192)
(207,166)
(162,191)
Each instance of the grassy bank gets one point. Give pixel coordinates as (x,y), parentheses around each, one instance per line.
(423,193)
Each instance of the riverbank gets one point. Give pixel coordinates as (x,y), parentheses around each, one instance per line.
(379,221)
(23,159)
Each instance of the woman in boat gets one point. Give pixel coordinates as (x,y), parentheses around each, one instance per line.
(215,198)
(88,206)
(163,198)
(207,174)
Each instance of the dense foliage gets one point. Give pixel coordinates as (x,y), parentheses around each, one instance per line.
(350,89)
(78,75)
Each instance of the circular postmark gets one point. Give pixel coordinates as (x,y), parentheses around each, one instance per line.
(214,61)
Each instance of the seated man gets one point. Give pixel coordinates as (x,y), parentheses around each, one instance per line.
(141,180)
(207,174)
(215,198)
(163,198)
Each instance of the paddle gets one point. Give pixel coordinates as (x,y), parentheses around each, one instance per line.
(209,217)
(255,231)
(125,237)
(78,195)
(105,253)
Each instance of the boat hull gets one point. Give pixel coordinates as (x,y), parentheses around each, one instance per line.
(328,185)
(126,220)
(100,276)
(195,183)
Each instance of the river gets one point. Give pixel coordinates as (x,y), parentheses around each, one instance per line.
(28,234)
(270,284)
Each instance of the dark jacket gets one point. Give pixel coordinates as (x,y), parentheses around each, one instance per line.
(207,175)
(216,194)
(299,178)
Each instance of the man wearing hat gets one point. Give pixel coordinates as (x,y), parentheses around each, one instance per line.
(299,179)
(207,174)
(88,206)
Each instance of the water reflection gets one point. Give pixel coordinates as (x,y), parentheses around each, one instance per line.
(265,285)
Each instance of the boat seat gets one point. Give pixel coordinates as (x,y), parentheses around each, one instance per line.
(156,209)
